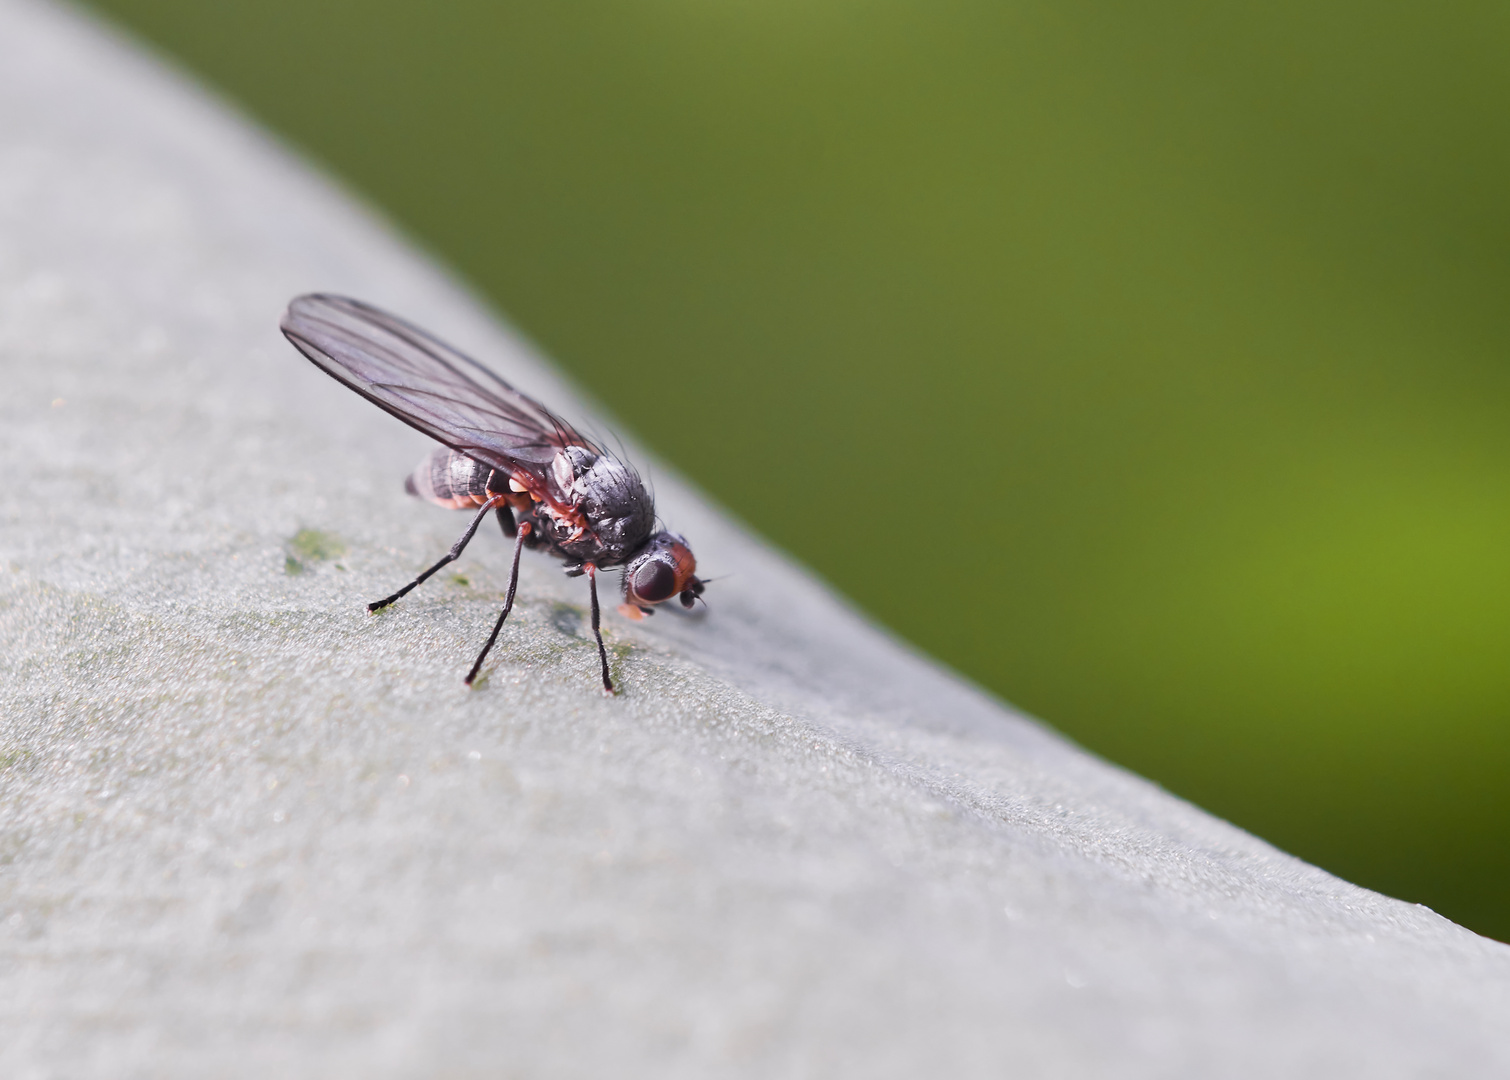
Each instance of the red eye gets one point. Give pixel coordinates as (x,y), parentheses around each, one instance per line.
(654,581)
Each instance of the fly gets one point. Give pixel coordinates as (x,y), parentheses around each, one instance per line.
(501,451)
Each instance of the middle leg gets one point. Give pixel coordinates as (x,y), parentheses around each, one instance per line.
(508,603)
(592,590)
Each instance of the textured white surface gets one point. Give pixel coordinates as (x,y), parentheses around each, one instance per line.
(245,829)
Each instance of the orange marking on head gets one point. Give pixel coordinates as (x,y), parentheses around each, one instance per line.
(686,566)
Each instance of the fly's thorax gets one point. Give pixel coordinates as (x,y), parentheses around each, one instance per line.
(611,498)
(450,479)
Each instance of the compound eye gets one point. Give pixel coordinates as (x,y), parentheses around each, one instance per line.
(654,581)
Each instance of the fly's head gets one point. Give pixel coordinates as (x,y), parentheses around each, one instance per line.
(663,568)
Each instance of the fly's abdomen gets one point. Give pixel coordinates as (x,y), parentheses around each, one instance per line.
(449,479)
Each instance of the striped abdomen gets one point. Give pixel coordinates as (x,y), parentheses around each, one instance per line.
(452,480)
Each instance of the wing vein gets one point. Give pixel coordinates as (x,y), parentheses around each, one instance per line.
(429,385)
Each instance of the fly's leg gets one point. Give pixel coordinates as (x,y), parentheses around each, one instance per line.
(508,602)
(506,521)
(456,550)
(592,589)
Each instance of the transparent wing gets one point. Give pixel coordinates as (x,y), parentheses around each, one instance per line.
(426,383)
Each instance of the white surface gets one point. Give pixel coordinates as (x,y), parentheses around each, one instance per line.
(246,829)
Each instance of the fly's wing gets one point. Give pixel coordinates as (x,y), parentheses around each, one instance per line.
(427,384)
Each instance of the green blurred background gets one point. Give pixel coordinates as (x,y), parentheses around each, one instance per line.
(1148,363)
